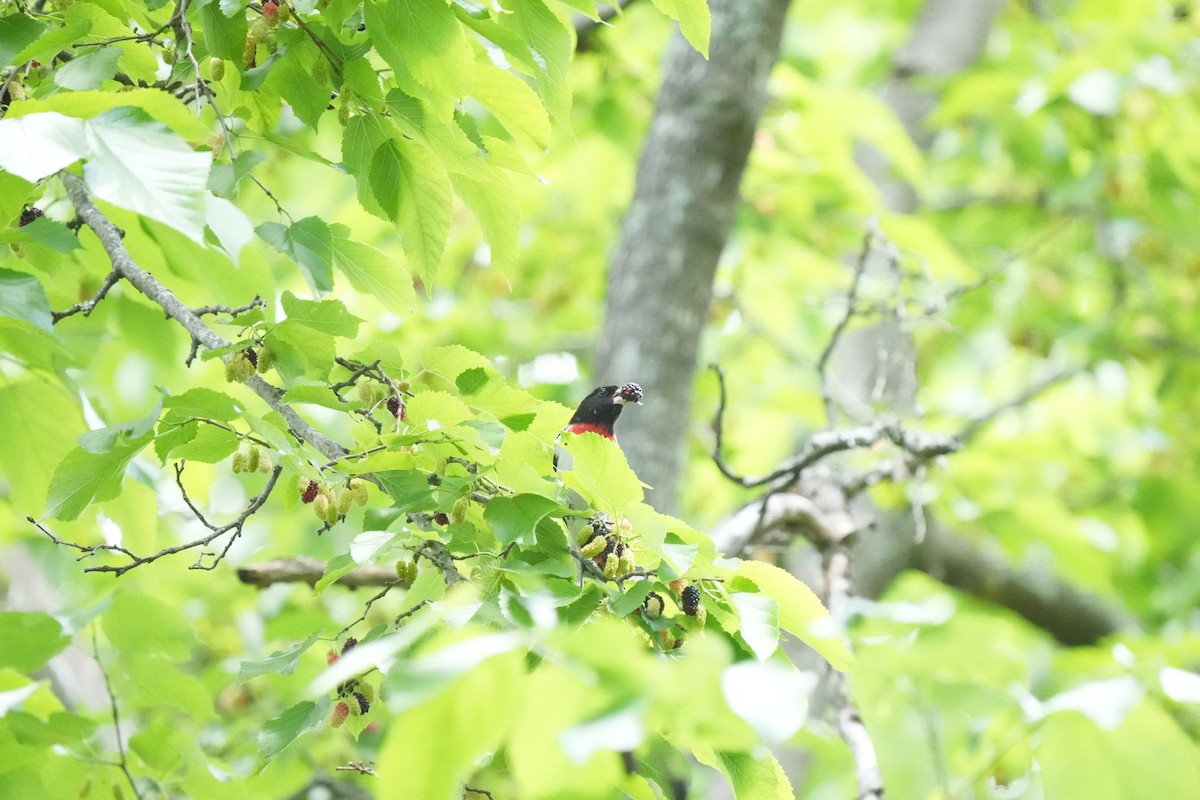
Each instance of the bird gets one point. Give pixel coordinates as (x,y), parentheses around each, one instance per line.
(598,413)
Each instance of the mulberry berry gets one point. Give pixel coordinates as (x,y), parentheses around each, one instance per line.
(29,214)
(310,492)
(691,601)
(338,717)
(653,605)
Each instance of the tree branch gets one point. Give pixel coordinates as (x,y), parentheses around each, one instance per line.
(146,283)
(304,569)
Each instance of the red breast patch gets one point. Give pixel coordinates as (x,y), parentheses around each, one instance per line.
(589,427)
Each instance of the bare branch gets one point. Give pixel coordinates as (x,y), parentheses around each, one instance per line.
(860,267)
(86,307)
(303,569)
(233,311)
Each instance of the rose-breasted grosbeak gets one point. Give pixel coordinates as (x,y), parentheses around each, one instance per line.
(598,413)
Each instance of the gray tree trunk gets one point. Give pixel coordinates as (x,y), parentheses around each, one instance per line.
(660,277)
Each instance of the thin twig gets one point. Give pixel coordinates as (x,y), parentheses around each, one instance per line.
(233,311)
(122,761)
(973,427)
(86,307)
(840,328)
(148,285)
(367,608)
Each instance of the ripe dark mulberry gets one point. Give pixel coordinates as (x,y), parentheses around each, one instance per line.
(251,356)
(29,214)
(349,645)
(364,705)
(691,601)
(310,492)
(398,410)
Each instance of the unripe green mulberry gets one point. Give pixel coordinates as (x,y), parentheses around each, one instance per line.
(358,490)
(612,566)
(238,368)
(627,564)
(324,509)
(342,500)
(264,459)
(459,512)
(266,360)
(248,52)
(653,605)
(320,71)
(594,547)
(253,459)
(240,462)
(216,68)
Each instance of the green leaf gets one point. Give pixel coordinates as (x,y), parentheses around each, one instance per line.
(631,599)
(308,97)
(490,200)
(600,472)
(515,518)
(317,394)
(512,103)
(412,186)
(471,380)
(452,360)
(695,20)
(202,402)
(155,681)
(172,432)
(89,70)
(223,179)
(298,720)
(82,478)
(38,145)
(17,31)
(281,662)
(799,610)
(759,623)
(163,106)
(430,750)
(138,163)
(103,440)
(52,233)
(141,623)
(337,567)
(374,273)
(327,316)
(210,445)
(301,351)
(38,420)
(224,34)
(308,242)
(424,40)
(31,639)
(752,778)
(22,297)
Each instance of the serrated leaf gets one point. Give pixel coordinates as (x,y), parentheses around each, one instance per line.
(202,402)
(328,316)
(799,610)
(309,242)
(138,163)
(38,145)
(105,439)
(516,518)
(52,233)
(88,71)
(224,34)
(316,394)
(83,478)
(281,662)
(758,623)
(422,39)
(300,351)
(451,360)
(425,208)
(471,380)
(514,105)
(366,546)
(600,472)
(291,725)
(491,201)
(223,179)
(22,297)
(336,568)
(374,273)
(210,445)
(31,639)
(631,599)
(695,20)
(16,31)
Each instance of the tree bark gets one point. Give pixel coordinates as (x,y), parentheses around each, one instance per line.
(660,277)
